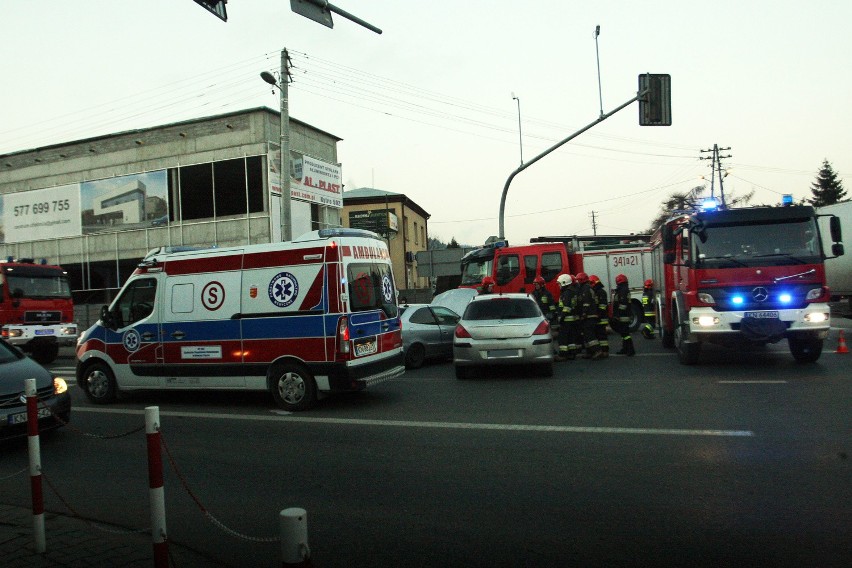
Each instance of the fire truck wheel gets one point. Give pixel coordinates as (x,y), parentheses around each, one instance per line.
(637,316)
(805,350)
(45,354)
(293,387)
(99,383)
(687,352)
(415,356)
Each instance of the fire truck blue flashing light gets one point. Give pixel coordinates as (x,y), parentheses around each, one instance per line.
(785,298)
(737,300)
(787,199)
(709,204)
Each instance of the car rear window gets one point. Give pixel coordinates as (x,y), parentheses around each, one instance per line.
(502,308)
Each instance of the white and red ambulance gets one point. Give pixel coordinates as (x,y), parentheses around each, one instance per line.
(300,319)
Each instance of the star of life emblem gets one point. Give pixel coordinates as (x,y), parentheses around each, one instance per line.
(131,340)
(387,289)
(283,289)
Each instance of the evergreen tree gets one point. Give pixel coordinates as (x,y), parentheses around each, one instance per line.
(453,244)
(827,189)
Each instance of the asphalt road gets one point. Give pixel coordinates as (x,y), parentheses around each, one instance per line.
(739,461)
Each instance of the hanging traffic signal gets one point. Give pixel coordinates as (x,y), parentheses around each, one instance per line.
(655,105)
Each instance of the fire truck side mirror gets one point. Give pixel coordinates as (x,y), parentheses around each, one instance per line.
(837,249)
(836,233)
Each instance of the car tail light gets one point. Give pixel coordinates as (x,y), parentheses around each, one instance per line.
(343,335)
(542,329)
(462,333)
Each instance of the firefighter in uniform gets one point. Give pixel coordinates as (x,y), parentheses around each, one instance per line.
(487,286)
(544,299)
(569,320)
(649,307)
(621,313)
(588,310)
(603,313)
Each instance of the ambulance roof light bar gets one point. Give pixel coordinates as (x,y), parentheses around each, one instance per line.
(347,232)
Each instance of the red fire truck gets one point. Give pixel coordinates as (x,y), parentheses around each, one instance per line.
(513,268)
(743,276)
(36,310)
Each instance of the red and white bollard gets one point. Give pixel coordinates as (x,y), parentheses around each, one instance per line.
(34,446)
(155,484)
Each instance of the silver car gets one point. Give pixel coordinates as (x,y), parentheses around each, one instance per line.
(427,333)
(502,329)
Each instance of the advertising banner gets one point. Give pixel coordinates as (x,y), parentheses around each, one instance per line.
(311,180)
(41,214)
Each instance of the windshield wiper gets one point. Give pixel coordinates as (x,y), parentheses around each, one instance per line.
(722,259)
(784,254)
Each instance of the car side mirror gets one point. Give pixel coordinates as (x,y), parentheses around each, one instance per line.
(107,318)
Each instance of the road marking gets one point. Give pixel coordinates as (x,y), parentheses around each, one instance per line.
(754,382)
(436,425)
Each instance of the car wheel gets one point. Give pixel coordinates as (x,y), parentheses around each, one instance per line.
(99,383)
(293,387)
(545,370)
(45,354)
(415,356)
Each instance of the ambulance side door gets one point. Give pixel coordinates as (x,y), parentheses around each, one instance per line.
(134,345)
(202,343)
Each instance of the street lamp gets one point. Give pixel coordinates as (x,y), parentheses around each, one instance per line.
(520,134)
(286,221)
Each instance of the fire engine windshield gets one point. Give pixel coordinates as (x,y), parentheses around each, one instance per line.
(475,269)
(371,287)
(36,283)
(791,242)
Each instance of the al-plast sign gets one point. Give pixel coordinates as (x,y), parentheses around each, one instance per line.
(310,179)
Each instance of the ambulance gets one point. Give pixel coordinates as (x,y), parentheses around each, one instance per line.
(300,319)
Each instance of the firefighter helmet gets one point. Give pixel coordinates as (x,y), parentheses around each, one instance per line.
(538,280)
(565,280)
(621,279)
(649,283)
(594,280)
(582,277)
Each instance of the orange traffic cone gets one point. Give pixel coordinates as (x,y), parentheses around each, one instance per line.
(841,344)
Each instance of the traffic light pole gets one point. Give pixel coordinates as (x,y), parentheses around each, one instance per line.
(556,146)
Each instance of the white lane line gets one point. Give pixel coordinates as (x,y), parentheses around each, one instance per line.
(436,425)
(751,382)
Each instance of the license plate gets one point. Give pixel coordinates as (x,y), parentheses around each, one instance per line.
(498,353)
(366,346)
(44,332)
(761,315)
(21,418)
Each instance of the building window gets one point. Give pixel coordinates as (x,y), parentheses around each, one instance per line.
(416,234)
(405,228)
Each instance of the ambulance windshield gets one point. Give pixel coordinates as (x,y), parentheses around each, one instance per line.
(371,287)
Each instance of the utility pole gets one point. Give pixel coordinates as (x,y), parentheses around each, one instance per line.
(594,224)
(282,83)
(716,166)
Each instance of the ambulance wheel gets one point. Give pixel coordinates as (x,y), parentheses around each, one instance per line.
(415,356)
(99,383)
(293,387)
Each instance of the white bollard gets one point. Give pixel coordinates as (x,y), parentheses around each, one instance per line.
(294,537)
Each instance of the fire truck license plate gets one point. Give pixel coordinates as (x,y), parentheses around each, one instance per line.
(761,315)
(44,332)
(22,417)
(366,346)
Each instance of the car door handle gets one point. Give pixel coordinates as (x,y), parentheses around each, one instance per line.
(178,334)
(147,336)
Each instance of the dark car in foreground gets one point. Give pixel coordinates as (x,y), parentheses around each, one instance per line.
(54,401)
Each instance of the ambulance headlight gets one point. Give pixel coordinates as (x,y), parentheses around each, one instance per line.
(816,317)
(705,321)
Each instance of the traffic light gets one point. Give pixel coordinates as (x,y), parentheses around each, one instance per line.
(655,106)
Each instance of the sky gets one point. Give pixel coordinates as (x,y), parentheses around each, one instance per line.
(426,108)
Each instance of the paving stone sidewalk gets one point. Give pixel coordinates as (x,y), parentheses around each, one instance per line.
(75,543)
